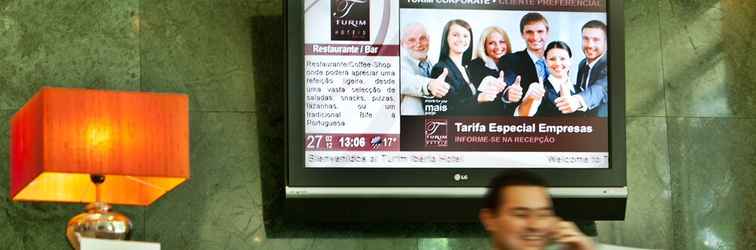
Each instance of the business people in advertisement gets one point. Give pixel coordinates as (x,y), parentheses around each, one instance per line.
(492,74)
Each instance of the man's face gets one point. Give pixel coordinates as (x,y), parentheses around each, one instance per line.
(416,42)
(594,43)
(523,220)
(535,35)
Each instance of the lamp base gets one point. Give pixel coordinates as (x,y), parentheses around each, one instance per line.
(98,221)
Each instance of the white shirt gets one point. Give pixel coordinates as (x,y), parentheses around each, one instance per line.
(558,83)
(533,56)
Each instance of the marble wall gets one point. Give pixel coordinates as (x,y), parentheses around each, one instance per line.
(691,114)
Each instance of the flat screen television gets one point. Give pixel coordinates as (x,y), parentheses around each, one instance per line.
(403,110)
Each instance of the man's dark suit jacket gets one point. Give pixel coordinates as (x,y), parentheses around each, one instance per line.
(596,92)
(461,99)
(478,71)
(519,63)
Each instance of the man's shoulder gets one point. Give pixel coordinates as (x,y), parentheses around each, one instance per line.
(602,67)
(409,62)
(519,55)
(521,52)
(602,62)
(583,62)
(514,59)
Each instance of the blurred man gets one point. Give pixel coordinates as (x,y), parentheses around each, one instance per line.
(518,215)
(416,83)
(593,79)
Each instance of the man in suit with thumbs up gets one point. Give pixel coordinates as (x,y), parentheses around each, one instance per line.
(529,64)
(416,83)
(593,80)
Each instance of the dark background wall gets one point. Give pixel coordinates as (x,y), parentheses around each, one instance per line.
(691,118)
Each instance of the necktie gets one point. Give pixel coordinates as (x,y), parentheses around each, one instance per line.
(425,67)
(584,77)
(541,69)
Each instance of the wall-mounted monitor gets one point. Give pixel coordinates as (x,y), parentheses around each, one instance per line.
(399,104)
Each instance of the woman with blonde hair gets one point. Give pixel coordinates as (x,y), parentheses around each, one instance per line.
(486,75)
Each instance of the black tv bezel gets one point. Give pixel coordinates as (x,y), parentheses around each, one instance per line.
(297,175)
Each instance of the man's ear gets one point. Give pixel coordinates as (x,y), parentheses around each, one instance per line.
(487,219)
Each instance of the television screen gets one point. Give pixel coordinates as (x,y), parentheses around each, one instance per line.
(414,96)
(446,84)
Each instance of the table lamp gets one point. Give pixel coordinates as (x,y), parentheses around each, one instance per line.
(99,147)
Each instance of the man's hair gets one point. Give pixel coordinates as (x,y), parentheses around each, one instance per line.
(530,18)
(595,24)
(494,195)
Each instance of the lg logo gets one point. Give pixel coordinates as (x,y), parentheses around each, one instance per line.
(460,177)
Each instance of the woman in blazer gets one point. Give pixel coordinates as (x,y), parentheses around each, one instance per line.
(493,44)
(455,56)
(556,85)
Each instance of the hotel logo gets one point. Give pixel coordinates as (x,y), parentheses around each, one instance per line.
(436,133)
(350,20)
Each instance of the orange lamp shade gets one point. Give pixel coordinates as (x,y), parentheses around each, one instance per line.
(138,141)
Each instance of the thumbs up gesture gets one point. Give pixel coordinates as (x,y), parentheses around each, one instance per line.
(500,84)
(567,103)
(535,90)
(486,97)
(514,94)
(438,87)
(565,89)
(490,87)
